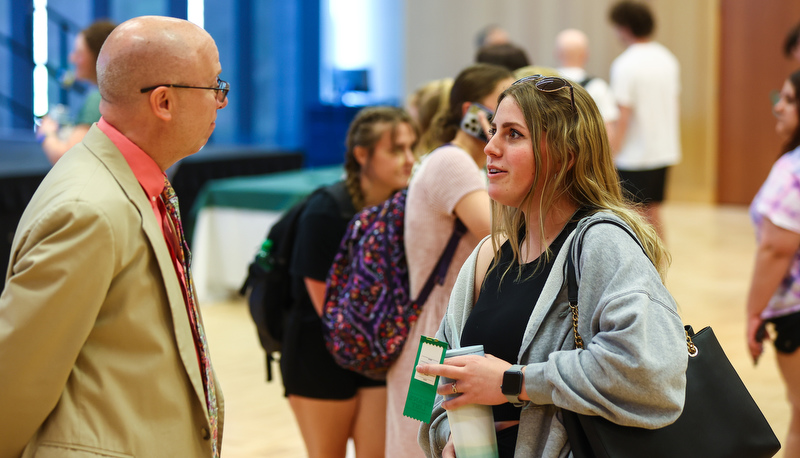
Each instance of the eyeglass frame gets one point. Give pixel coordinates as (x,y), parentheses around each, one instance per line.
(538,79)
(223,87)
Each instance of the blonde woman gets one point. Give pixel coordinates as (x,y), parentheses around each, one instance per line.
(550,172)
(431,99)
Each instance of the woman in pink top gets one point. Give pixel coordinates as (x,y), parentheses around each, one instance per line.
(448,184)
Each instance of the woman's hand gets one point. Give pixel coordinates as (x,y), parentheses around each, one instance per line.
(477,378)
(47,127)
(776,250)
(756,333)
(483,120)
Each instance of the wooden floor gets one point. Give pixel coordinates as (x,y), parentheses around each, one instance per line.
(712,249)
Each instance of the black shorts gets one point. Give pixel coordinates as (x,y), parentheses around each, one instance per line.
(309,370)
(787,332)
(644,186)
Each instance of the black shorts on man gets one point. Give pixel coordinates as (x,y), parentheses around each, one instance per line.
(644,186)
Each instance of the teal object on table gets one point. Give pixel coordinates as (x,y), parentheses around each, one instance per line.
(272,192)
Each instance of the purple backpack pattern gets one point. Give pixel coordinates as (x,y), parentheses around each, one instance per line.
(368,311)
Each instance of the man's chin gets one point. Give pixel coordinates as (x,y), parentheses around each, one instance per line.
(200,148)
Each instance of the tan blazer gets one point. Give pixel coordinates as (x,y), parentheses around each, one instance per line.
(96,352)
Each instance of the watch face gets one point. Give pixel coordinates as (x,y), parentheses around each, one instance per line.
(512,383)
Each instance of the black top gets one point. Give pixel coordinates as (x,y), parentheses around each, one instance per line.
(319,234)
(501,314)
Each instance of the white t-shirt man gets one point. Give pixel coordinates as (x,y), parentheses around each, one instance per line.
(646,78)
(597,88)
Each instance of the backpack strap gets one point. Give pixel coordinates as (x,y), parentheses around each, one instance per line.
(443,264)
(344,203)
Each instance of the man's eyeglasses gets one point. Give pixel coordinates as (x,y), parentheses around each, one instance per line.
(222,88)
(549,84)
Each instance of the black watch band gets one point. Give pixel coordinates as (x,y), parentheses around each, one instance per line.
(513,380)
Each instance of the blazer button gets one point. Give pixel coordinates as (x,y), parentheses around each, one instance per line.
(206,433)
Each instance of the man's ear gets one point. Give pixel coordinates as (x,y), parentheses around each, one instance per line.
(361,154)
(161,103)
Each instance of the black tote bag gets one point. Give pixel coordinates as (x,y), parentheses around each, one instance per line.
(720,419)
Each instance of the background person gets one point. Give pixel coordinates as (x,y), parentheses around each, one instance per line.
(492,34)
(550,171)
(448,184)
(791,45)
(84,56)
(423,106)
(645,80)
(332,404)
(572,53)
(98,322)
(532,70)
(505,55)
(775,288)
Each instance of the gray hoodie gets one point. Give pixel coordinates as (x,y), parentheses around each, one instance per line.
(632,369)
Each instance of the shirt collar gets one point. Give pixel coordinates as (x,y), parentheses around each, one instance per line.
(145,169)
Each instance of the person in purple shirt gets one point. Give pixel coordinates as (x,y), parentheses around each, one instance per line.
(775,288)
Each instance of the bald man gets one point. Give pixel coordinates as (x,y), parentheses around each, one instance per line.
(102,350)
(490,35)
(572,53)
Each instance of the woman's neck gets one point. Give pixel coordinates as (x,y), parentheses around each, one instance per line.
(374,193)
(557,218)
(471,145)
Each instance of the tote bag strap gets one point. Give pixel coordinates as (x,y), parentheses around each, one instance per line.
(572,284)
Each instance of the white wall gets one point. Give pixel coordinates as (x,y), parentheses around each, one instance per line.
(441,34)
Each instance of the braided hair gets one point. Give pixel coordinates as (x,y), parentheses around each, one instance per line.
(365,131)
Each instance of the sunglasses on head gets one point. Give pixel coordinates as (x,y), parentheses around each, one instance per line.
(549,84)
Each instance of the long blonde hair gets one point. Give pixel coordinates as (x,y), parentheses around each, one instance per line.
(581,166)
(428,101)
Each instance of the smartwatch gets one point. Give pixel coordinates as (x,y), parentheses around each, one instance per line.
(512,385)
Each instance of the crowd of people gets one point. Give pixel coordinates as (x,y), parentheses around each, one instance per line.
(100,325)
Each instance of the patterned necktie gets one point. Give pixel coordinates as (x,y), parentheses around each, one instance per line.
(185,257)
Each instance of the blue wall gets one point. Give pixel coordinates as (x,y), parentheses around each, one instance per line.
(269,51)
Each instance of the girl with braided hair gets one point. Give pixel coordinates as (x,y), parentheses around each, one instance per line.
(332,404)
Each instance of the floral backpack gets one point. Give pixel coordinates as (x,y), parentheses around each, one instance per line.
(368,311)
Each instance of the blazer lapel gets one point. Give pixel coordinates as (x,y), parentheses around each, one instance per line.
(100,145)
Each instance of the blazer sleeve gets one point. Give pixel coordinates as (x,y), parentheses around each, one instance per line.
(61,269)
